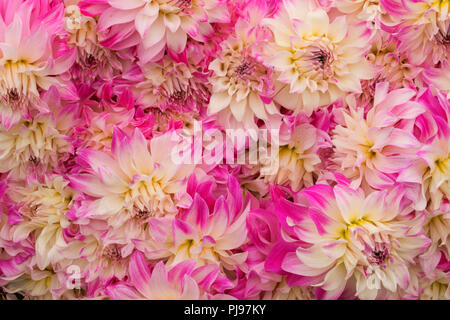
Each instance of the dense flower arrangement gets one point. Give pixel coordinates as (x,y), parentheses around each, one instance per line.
(128,166)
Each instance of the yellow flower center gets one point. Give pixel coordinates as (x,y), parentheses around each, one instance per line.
(443,165)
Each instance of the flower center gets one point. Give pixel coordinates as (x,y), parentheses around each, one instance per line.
(182,4)
(33,160)
(245,69)
(90,60)
(315,61)
(13,95)
(178,95)
(320,57)
(173,6)
(141,213)
(16,82)
(112,252)
(247,72)
(443,37)
(371,247)
(442,164)
(379,255)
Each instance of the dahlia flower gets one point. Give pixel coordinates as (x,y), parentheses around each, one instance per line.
(437,229)
(391,66)
(98,133)
(286,292)
(361,10)
(264,233)
(370,148)
(165,120)
(370,239)
(432,171)
(37,145)
(121,122)
(298,155)
(242,87)
(135,182)
(207,232)
(422,28)
(171,85)
(29,59)
(439,77)
(42,210)
(436,284)
(317,61)
(437,289)
(179,282)
(154,25)
(92,58)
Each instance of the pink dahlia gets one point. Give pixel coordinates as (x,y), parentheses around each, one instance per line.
(179,282)
(33,57)
(154,25)
(371,240)
(422,27)
(137,180)
(242,86)
(372,147)
(209,232)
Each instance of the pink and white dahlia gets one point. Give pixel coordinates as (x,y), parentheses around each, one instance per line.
(170,85)
(430,168)
(437,228)
(92,59)
(439,77)
(32,58)
(298,154)
(242,87)
(361,10)
(136,181)
(40,144)
(436,288)
(42,210)
(348,236)
(208,232)
(39,284)
(154,25)
(266,280)
(178,282)
(317,61)
(422,27)
(372,148)
(391,66)
(98,132)
(224,149)
(286,292)
(435,285)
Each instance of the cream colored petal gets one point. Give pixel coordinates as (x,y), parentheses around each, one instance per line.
(238,108)
(218,101)
(318,22)
(257,106)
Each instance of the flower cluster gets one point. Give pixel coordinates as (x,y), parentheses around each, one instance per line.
(224,149)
